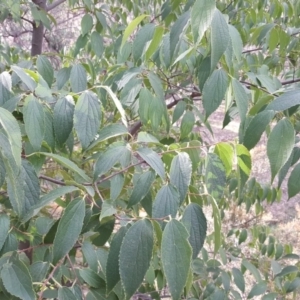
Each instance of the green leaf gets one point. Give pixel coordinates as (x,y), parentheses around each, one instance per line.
(90,255)
(141,188)
(287,270)
(38,270)
(44,68)
(26,79)
(258,289)
(117,103)
(87,118)
(178,111)
(112,267)
(143,36)
(225,153)
(244,165)
(68,164)
(256,128)
(166,202)
(241,98)
(237,43)
(63,118)
(34,119)
(16,279)
(97,44)
(252,269)
(107,209)
(219,37)
(204,72)
(62,77)
(177,30)
(5,88)
(131,27)
(13,133)
(116,186)
(108,159)
(154,161)
(238,278)
(293,182)
(215,176)
(180,173)
(176,256)
(156,113)
(91,278)
(4,228)
(69,228)
(285,101)
(217,225)
(279,153)
(214,91)
(78,78)
(292,286)
(65,293)
(187,124)
(195,222)
(201,17)
(145,137)
(137,244)
(86,24)
(156,40)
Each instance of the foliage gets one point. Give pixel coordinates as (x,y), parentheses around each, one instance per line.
(110,188)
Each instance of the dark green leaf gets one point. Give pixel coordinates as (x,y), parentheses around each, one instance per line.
(241,98)
(69,228)
(180,173)
(238,278)
(65,293)
(214,90)
(86,24)
(16,279)
(44,68)
(287,270)
(153,159)
(112,268)
(87,117)
(63,118)
(176,256)
(279,153)
(26,79)
(178,111)
(285,101)
(91,278)
(34,119)
(4,228)
(97,43)
(62,77)
(187,124)
(38,270)
(195,222)
(252,269)
(257,290)
(137,243)
(293,182)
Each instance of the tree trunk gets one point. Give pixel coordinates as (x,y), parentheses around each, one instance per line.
(38,32)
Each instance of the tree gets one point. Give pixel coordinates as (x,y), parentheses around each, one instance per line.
(106,171)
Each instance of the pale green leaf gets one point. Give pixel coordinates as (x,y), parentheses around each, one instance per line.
(87,118)
(201,17)
(131,27)
(180,173)
(285,101)
(141,188)
(226,154)
(244,166)
(257,290)
(219,37)
(253,270)
(86,24)
(107,209)
(195,222)
(153,159)
(13,133)
(68,164)
(279,153)
(91,278)
(112,267)
(256,128)
(78,78)
(145,137)
(237,43)
(116,186)
(63,118)
(38,270)
(238,278)
(62,77)
(156,40)
(97,44)
(176,256)
(26,79)
(34,119)
(187,124)
(64,293)
(69,228)
(137,244)
(214,91)
(217,225)
(178,111)
(45,69)
(17,280)
(287,270)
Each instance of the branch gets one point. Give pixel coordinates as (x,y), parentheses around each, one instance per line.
(251,50)
(59,182)
(54,4)
(290,81)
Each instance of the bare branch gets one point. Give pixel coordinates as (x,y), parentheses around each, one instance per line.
(251,50)
(54,4)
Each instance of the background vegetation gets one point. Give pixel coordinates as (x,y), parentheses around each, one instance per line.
(111,186)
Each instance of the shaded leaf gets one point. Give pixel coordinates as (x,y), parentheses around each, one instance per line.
(4,228)
(293,182)
(241,98)
(187,124)
(44,68)
(78,78)
(238,278)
